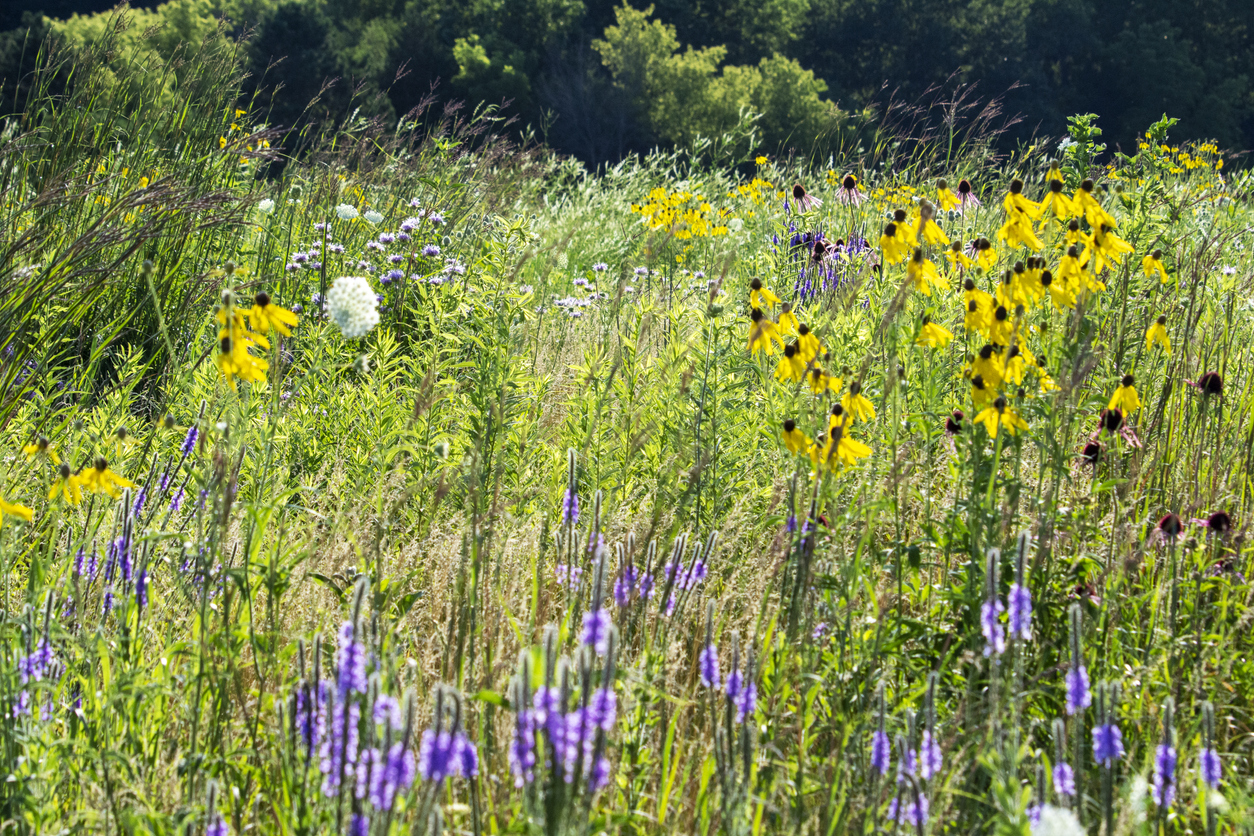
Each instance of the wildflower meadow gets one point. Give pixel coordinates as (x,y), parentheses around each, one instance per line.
(413,479)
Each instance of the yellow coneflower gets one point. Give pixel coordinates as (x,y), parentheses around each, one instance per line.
(933,335)
(957,258)
(981,393)
(1153,263)
(762,333)
(787,320)
(928,229)
(895,251)
(820,381)
(1012,291)
(1125,397)
(1069,269)
(904,230)
(791,366)
(986,256)
(264,314)
(1002,328)
(1108,247)
(761,297)
(1017,231)
(945,198)
(41,447)
(998,415)
(1015,365)
(1093,211)
(1029,277)
(856,404)
(234,361)
(1157,333)
(922,273)
(1055,200)
(987,366)
(1014,201)
(1060,293)
(848,450)
(13,509)
(808,344)
(68,485)
(794,439)
(100,479)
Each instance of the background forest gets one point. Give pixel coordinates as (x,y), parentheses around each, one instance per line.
(599,81)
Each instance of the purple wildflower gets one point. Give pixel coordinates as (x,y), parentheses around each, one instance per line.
(189,442)
(394,776)
(431,251)
(911,813)
(177,500)
(1107,744)
(358,825)
(596,630)
(603,708)
(217,827)
(367,769)
(522,749)
(746,700)
(1163,787)
(570,508)
(1020,609)
(600,773)
(930,760)
(708,664)
(1078,695)
(881,752)
(352,662)
(625,586)
(1064,779)
(140,499)
(387,712)
(78,563)
(436,755)
(1209,767)
(994,633)
(339,745)
(141,589)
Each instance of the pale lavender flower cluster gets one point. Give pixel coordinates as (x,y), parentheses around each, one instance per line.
(446,754)
(1107,744)
(990,626)
(1209,767)
(1019,608)
(596,630)
(1163,787)
(1064,779)
(881,752)
(1079,697)
(708,666)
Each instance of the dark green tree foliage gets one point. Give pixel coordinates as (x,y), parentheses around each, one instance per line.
(1128,61)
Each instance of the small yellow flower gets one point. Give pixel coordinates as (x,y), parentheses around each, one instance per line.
(41,447)
(821,382)
(794,439)
(791,366)
(1055,200)
(945,197)
(788,323)
(1000,415)
(848,450)
(857,404)
(807,343)
(264,314)
(760,296)
(100,479)
(1157,333)
(762,333)
(933,335)
(68,485)
(922,273)
(1153,263)
(895,250)
(1125,397)
(760,160)
(12,509)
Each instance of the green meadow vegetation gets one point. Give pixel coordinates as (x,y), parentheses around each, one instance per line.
(403,475)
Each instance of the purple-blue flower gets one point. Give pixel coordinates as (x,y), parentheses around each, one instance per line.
(522,749)
(596,630)
(1163,787)
(881,752)
(217,827)
(445,755)
(990,625)
(352,662)
(1107,744)
(708,664)
(910,813)
(1078,695)
(358,825)
(1209,766)
(930,760)
(570,508)
(1064,779)
(603,708)
(1019,607)
(189,442)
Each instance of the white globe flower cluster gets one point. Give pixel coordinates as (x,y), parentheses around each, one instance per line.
(353,306)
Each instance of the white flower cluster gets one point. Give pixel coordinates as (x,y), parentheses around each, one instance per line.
(345,212)
(1056,821)
(353,305)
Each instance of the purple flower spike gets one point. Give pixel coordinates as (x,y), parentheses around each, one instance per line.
(1107,744)
(1078,695)
(1209,766)
(1064,779)
(930,760)
(1163,787)
(990,625)
(1020,610)
(596,630)
(708,663)
(881,752)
